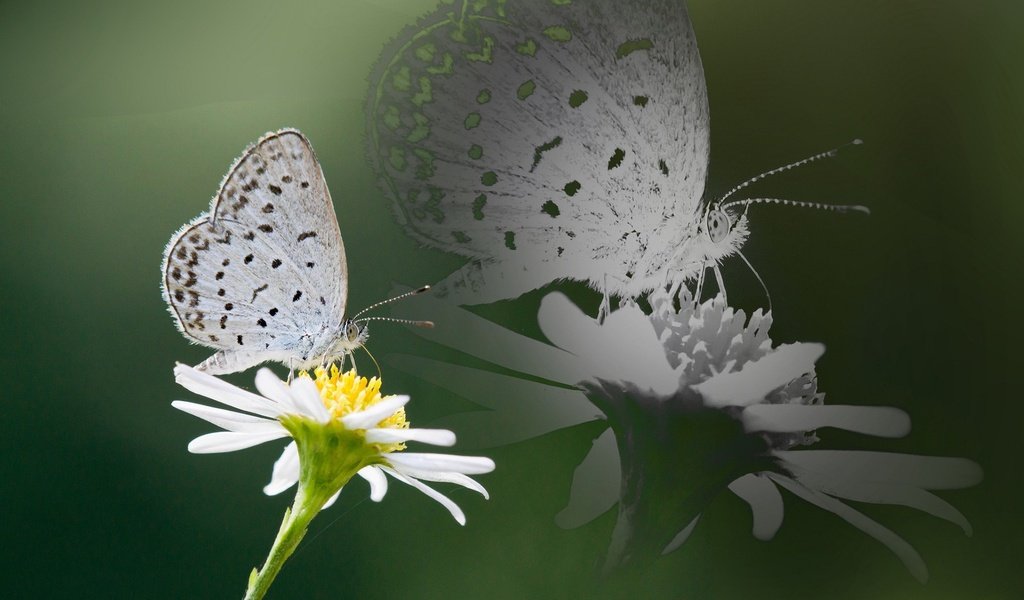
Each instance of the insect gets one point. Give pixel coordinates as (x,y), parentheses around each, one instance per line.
(553,139)
(262,276)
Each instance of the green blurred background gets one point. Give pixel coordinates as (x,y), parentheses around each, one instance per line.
(119,119)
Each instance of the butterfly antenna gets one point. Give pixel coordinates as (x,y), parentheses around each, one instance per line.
(390,300)
(758,276)
(375,363)
(423,324)
(794,165)
(839,208)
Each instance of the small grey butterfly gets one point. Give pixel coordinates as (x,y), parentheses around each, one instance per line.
(553,139)
(262,276)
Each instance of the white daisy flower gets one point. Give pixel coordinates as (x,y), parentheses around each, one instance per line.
(341,426)
(698,401)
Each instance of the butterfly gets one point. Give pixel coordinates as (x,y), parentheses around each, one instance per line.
(262,276)
(553,139)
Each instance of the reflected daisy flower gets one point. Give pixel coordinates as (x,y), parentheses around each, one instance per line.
(698,401)
(341,426)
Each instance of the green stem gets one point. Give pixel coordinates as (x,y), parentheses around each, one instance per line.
(293,529)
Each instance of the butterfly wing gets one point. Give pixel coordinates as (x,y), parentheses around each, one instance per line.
(569,140)
(263,273)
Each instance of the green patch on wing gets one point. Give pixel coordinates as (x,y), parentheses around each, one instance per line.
(489,178)
(421,130)
(425,93)
(538,152)
(396,157)
(485,53)
(461,237)
(392,118)
(577,98)
(472,120)
(558,33)
(550,208)
(631,46)
(401,80)
(526,90)
(483,97)
(478,207)
(510,240)
(425,169)
(475,152)
(527,48)
(571,188)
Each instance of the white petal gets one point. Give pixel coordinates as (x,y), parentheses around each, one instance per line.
(307,399)
(519,409)
(286,471)
(437,437)
(681,537)
(595,484)
(476,336)
(448,477)
(624,348)
(469,465)
(373,415)
(881,421)
(453,508)
(886,493)
(926,472)
(227,419)
(906,553)
(272,387)
(223,392)
(378,482)
(765,503)
(752,383)
(229,441)
(330,501)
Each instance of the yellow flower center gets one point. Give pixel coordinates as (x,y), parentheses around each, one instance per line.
(345,393)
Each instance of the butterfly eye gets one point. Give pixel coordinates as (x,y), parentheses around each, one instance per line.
(353,331)
(718,225)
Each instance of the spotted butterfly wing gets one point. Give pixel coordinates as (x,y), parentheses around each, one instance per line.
(548,140)
(261,276)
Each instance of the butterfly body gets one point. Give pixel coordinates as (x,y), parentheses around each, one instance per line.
(262,276)
(549,140)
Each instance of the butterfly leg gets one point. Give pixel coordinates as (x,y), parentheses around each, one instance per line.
(606,306)
(700,284)
(721,284)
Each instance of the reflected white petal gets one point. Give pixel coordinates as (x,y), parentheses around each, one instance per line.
(624,348)
(229,441)
(373,415)
(519,409)
(881,421)
(926,472)
(378,482)
(765,503)
(595,484)
(899,546)
(753,382)
(681,537)
(286,471)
